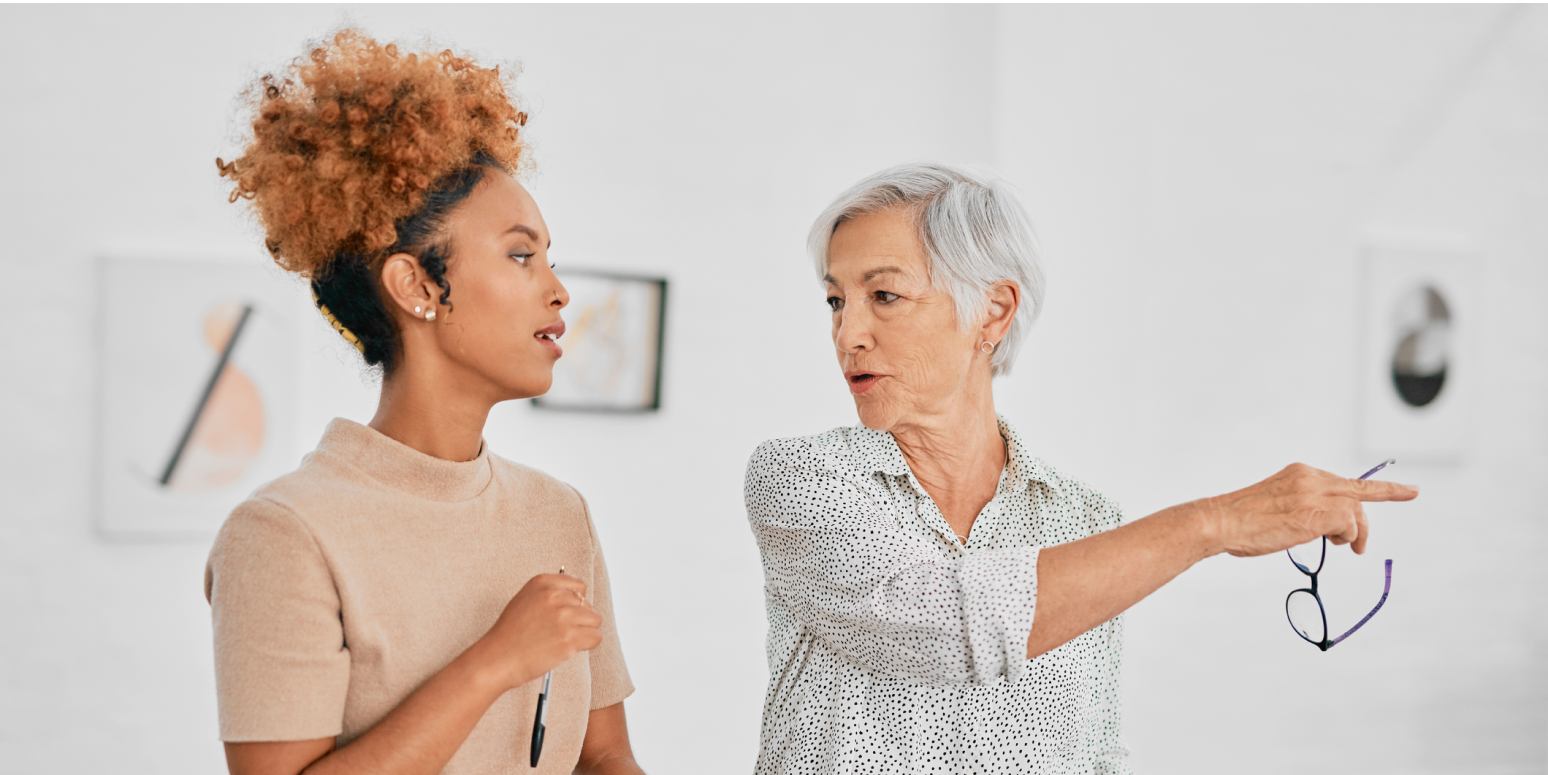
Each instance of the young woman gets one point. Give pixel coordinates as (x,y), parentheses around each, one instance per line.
(393,605)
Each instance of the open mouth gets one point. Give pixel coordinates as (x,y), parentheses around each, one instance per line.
(549,336)
(861,381)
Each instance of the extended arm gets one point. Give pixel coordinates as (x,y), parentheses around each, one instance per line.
(1084,583)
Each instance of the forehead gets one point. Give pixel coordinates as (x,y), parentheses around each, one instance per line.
(498,202)
(884,238)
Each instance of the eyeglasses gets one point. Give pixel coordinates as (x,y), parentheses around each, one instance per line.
(1304,606)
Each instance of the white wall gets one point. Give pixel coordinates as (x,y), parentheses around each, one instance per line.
(1202,179)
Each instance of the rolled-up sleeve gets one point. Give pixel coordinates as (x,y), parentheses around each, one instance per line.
(835,558)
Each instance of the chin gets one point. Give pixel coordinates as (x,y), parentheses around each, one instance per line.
(528,385)
(874,417)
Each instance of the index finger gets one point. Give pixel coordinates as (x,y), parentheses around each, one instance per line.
(1371,491)
(564,581)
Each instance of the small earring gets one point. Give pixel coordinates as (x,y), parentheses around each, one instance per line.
(418,309)
(430,316)
(987,347)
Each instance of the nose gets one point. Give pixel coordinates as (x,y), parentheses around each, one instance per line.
(561,298)
(851,329)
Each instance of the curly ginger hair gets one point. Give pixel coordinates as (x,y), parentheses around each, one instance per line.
(359,151)
(348,140)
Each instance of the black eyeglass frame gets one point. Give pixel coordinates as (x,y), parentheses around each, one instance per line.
(1322,610)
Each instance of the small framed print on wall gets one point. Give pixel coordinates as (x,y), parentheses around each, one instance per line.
(1419,372)
(615,327)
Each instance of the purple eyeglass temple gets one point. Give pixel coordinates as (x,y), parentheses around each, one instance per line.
(1368,616)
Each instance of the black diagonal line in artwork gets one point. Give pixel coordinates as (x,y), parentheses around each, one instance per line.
(209,389)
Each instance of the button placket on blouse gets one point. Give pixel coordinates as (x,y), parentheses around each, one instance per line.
(930,514)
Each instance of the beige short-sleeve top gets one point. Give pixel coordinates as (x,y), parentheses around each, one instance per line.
(340,588)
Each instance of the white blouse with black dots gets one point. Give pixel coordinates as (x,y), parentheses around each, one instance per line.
(895,648)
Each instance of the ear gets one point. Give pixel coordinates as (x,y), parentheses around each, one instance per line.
(1004,300)
(406,285)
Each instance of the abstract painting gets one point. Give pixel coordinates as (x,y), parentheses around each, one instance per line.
(197,384)
(614,329)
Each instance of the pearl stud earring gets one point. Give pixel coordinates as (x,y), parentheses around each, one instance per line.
(430,316)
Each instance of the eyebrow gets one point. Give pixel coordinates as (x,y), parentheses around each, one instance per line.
(869,276)
(529,231)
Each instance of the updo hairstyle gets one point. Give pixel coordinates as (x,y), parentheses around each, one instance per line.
(359,152)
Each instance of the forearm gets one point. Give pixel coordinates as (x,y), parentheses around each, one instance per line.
(420,735)
(622,764)
(605,749)
(1084,583)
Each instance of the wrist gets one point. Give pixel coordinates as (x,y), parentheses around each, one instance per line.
(1208,522)
(491,671)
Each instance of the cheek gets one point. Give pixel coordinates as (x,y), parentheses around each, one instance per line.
(494,309)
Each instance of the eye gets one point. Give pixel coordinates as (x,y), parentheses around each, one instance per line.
(834,303)
(886,297)
(521,258)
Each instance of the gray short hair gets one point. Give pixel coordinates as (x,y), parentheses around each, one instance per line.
(972,227)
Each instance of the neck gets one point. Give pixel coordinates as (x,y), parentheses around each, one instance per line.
(957,452)
(431,413)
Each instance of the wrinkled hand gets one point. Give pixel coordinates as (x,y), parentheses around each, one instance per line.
(546,623)
(1297,505)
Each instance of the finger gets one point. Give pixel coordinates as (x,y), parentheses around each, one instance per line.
(1374,491)
(564,581)
(1350,531)
(1363,526)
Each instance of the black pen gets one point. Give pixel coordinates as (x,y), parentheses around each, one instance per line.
(542,712)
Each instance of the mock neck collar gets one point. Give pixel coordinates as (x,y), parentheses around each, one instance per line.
(404,468)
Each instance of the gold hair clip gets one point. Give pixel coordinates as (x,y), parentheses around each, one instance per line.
(349,336)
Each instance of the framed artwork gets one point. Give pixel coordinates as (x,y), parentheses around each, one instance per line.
(197,370)
(1418,377)
(615,326)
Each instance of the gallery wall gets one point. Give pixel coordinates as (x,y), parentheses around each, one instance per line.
(1204,182)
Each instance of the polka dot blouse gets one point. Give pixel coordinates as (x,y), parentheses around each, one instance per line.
(895,648)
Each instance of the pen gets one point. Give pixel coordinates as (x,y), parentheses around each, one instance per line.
(542,712)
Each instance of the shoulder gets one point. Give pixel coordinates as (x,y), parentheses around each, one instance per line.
(536,486)
(837,452)
(280,507)
(318,487)
(1076,499)
(809,479)
(1070,499)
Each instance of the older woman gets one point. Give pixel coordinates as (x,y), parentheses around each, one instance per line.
(904,559)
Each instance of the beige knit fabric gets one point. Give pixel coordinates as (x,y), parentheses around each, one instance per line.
(340,588)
